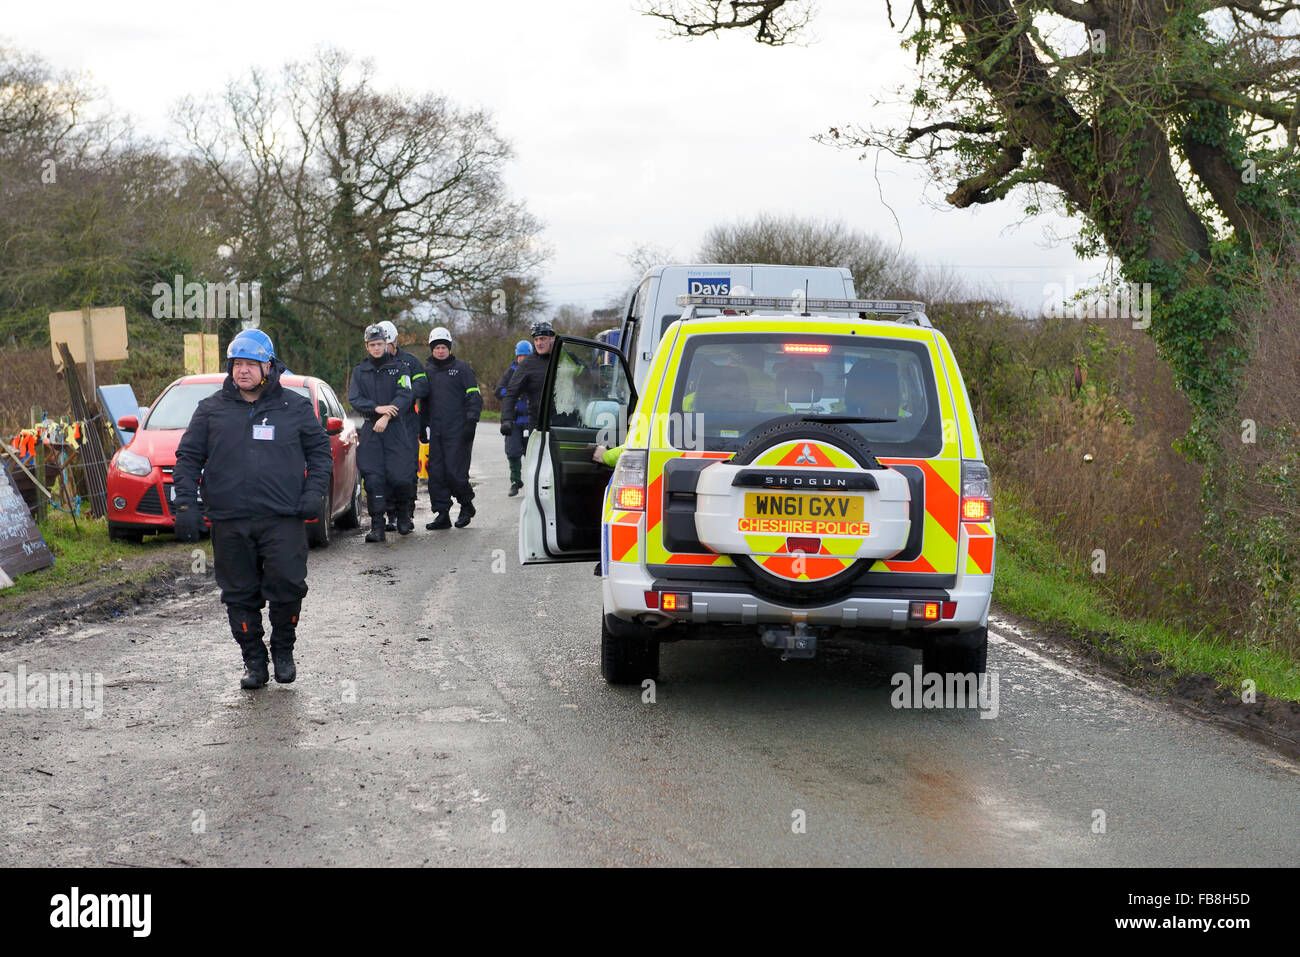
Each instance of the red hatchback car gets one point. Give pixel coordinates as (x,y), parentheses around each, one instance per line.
(140,491)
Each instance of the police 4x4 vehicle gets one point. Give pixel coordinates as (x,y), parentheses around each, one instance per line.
(808,472)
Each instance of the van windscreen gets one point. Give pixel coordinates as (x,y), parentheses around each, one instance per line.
(731,385)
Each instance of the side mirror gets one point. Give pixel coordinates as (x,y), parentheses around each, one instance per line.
(128,423)
(333,425)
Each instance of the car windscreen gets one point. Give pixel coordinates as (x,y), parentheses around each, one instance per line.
(176,406)
(730,385)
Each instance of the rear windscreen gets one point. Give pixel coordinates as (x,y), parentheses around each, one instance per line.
(730,385)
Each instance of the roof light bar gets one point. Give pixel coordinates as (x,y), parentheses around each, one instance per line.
(900,307)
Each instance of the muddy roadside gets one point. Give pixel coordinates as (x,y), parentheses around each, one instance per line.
(122,587)
(1274,722)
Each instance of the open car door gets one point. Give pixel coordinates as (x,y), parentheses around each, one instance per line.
(586,400)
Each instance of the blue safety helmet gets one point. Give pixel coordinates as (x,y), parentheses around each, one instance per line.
(523,348)
(251,344)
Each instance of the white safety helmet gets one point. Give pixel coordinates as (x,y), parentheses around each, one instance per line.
(390,330)
(440,334)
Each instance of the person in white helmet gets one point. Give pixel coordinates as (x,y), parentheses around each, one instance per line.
(450,422)
(380,389)
(401,515)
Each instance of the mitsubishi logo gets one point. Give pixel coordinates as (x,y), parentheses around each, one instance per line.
(806,457)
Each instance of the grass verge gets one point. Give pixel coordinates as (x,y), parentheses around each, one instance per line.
(1034,581)
(83,554)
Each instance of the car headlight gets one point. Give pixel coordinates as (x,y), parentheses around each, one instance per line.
(133,464)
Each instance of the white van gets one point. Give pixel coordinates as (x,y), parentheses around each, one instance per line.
(653,307)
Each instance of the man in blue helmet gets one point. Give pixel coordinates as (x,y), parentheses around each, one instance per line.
(381,391)
(519,433)
(265,464)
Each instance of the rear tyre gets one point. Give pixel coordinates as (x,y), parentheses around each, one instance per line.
(318,533)
(628,656)
(794,428)
(969,657)
(351,518)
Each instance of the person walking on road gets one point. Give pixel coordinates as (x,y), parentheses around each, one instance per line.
(264,462)
(411,419)
(381,391)
(517,439)
(455,404)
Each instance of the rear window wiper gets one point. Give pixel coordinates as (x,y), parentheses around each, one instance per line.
(844,419)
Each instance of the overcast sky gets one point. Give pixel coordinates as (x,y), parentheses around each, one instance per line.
(623,136)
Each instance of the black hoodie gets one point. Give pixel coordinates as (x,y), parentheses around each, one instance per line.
(252,456)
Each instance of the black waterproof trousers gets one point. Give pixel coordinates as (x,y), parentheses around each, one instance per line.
(449,455)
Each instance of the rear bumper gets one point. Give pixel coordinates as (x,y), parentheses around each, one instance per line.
(872,608)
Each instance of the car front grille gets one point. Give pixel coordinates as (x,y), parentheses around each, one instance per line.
(150,502)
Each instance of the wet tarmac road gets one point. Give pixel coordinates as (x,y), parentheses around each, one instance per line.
(449,709)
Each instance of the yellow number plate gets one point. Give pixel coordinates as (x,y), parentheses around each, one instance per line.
(775,513)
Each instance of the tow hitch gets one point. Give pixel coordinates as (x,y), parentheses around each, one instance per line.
(796,642)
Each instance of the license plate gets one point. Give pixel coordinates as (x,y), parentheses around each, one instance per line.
(803,513)
(171,494)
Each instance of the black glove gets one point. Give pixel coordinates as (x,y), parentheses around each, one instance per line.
(470,428)
(507,427)
(309,505)
(188,522)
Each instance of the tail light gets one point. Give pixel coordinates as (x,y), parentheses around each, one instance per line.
(628,483)
(976,492)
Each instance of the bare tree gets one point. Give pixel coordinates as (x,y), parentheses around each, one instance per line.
(353,205)
(878,270)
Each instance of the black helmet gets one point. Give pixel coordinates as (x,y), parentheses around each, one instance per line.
(376,331)
(542,328)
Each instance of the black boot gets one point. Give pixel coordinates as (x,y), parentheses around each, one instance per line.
(246,626)
(467,511)
(284,625)
(516,476)
(401,510)
(377,507)
(391,524)
(440,520)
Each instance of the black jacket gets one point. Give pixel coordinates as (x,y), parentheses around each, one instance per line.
(373,385)
(454,397)
(526,383)
(385,383)
(252,457)
(414,416)
(521,417)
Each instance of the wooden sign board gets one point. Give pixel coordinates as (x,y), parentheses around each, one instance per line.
(22,548)
(106,328)
(202,353)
